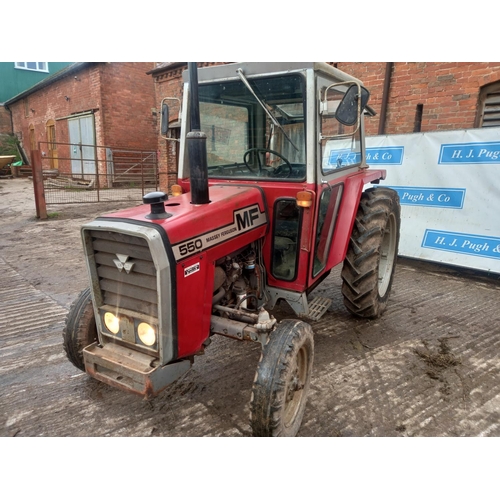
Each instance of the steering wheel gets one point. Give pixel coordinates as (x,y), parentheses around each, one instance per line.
(278,171)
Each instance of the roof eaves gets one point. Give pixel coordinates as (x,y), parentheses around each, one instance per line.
(167,66)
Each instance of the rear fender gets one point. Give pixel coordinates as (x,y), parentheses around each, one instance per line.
(353,187)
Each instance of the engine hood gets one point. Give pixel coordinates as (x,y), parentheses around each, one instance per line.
(233,210)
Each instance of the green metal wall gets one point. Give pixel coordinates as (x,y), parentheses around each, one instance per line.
(13,81)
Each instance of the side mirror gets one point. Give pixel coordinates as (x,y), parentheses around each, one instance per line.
(164,119)
(347,111)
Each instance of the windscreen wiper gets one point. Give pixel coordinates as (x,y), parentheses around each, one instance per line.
(264,107)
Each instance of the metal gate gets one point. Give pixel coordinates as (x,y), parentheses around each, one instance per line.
(90,174)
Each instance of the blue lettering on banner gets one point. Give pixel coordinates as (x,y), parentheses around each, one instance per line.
(374,156)
(431,197)
(392,155)
(471,244)
(470,152)
(343,158)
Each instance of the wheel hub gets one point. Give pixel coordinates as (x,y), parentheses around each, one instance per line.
(296,382)
(294,385)
(387,255)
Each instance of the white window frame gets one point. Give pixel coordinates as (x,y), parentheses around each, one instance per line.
(24,65)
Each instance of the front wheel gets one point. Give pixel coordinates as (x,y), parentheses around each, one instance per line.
(371,257)
(282,380)
(80,330)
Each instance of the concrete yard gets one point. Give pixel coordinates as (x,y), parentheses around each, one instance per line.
(428,367)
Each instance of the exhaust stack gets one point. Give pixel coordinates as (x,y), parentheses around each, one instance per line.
(197,145)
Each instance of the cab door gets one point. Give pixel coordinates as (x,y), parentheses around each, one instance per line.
(339,156)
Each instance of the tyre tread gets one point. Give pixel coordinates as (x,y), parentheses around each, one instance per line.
(80,329)
(268,392)
(360,269)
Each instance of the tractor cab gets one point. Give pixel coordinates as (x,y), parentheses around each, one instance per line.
(295,130)
(263,124)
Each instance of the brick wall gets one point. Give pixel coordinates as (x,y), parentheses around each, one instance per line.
(5,123)
(121,96)
(448,93)
(128,104)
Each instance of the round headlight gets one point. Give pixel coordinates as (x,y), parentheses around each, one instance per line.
(112,322)
(146,333)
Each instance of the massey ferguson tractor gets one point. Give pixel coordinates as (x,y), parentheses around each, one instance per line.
(272,194)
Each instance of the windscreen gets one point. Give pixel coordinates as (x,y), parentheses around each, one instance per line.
(257,132)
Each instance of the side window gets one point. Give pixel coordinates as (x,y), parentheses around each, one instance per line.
(286,240)
(340,144)
(291,141)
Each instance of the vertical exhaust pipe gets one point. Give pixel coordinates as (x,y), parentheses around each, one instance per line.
(197,144)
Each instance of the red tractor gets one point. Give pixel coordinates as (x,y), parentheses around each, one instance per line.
(271,196)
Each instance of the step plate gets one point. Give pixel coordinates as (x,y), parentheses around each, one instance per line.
(317,307)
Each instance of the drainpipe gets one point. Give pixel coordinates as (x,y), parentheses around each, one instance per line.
(385,97)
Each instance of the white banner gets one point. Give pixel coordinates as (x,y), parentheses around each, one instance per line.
(449,186)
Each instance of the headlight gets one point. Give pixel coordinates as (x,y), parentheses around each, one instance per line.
(112,322)
(147,334)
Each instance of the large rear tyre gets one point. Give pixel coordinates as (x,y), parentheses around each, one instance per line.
(371,257)
(282,380)
(80,330)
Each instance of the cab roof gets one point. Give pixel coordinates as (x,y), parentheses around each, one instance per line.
(228,71)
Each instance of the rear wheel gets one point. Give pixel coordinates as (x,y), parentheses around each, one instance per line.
(372,253)
(80,330)
(282,380)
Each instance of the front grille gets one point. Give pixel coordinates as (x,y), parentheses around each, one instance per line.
(136,290)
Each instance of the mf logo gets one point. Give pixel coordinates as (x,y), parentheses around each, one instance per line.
(247,218)
(121,263)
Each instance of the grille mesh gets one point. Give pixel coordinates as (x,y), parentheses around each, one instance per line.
(135,291)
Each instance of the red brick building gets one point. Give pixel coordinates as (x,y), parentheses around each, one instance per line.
(424,97)
(103,104)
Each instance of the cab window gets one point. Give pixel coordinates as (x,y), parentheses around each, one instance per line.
(286,239)
(340,144)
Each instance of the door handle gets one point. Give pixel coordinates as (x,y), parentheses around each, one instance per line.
(323,182)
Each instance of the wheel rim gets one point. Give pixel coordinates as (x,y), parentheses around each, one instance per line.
(295,386)
(387,255)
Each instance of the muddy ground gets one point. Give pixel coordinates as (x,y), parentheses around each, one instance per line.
(428,367)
